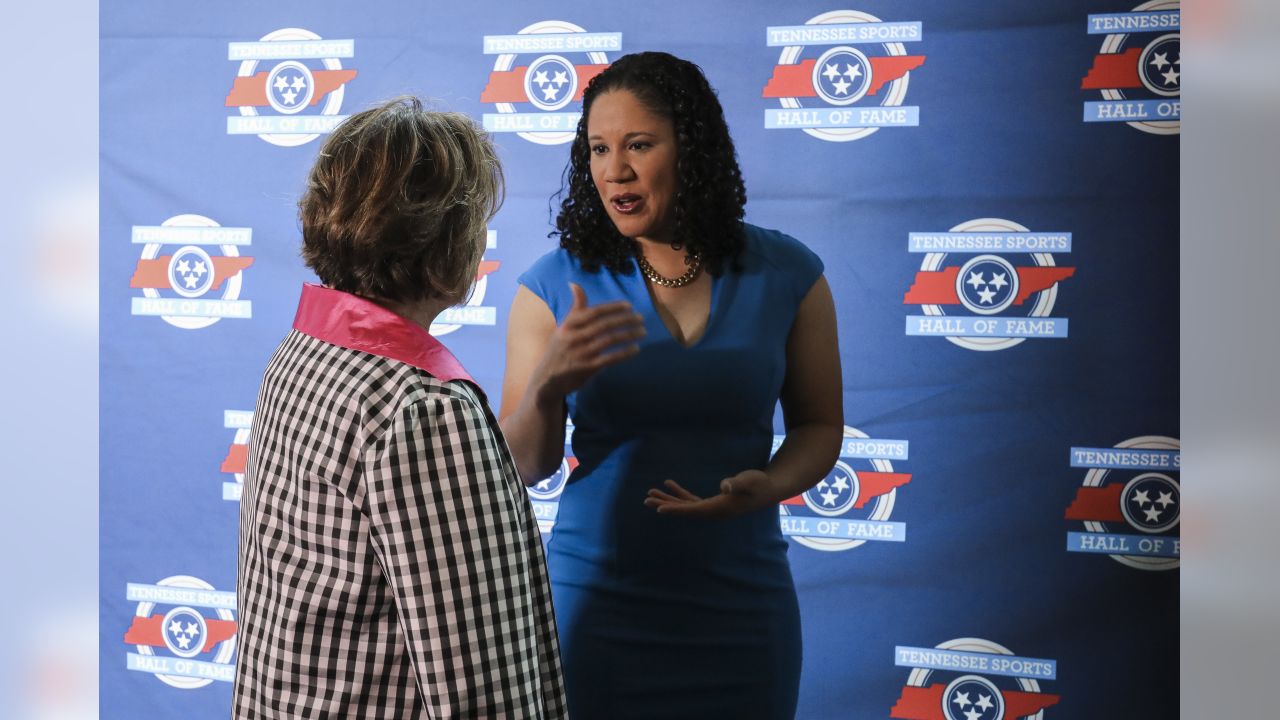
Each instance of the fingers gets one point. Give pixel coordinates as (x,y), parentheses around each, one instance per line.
(608,329)
(662,502)
(607,339)
(733,498)
(615,322)
(604,324)
(598,345)
(591,317)
(607,349)
(677,499)
(668,508)
(579,296)
(681,492)
(669,505)
(659,496)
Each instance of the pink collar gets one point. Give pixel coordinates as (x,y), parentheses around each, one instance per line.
(352,322)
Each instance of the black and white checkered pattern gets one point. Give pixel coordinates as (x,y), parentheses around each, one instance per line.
(390,563)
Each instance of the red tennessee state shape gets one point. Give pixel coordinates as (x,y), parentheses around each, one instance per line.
(150,631)
(155,273)
(939,287)
(797,80)
(251,91)
(508,86)
(1101,504)
(925,703)
(1113,70)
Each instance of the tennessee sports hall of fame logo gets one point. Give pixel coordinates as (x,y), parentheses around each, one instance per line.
(1138,70)
(191,271)
(1000,291)
(972,679)
(473,311)
(183,631)
(545,495)
(854,502)
(539,76)
(1135,485)
(237,456)
(298,96)
(842,75)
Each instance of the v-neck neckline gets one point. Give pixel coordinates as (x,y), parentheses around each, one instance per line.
(657,315)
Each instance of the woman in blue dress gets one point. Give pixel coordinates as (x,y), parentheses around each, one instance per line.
(668,330)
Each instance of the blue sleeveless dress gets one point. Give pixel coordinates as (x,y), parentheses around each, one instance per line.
(667,617)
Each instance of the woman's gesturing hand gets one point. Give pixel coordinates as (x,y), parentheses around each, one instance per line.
(748,490)
(590,338)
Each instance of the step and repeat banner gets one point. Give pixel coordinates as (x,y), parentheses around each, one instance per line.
(992,186)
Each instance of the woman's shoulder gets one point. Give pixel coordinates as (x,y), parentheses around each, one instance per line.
(555,264)
(549,278)
(552,270)
(782,252)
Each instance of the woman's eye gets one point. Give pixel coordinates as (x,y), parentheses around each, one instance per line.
(639,146)
(598,149)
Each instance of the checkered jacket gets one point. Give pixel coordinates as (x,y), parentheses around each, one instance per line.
(390,565)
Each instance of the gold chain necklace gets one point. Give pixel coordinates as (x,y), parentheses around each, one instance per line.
(695,267)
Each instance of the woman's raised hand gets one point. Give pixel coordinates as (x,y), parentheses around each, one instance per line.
(589,339)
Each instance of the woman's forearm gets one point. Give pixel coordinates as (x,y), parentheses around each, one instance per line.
(535,433)
(805,457)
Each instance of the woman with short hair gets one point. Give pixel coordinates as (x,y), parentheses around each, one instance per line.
(390,563)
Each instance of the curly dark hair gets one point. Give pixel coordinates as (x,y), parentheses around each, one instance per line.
(397,202)
(710,195)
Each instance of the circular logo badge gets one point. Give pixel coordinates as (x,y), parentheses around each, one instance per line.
(845,499)
(1160,66)
(556,88)
(184,632)
(834,494)
(972,697)
(551,82)
(190,271)
(1151,502)
(987,284)
(842,75)
(290,87)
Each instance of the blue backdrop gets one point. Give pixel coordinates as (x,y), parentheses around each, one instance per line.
(993,189)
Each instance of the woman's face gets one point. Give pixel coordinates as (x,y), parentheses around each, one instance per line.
(633,165)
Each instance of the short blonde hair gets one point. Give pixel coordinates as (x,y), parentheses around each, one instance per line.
(397,203)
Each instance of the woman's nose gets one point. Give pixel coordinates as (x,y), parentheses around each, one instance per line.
(618,169)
